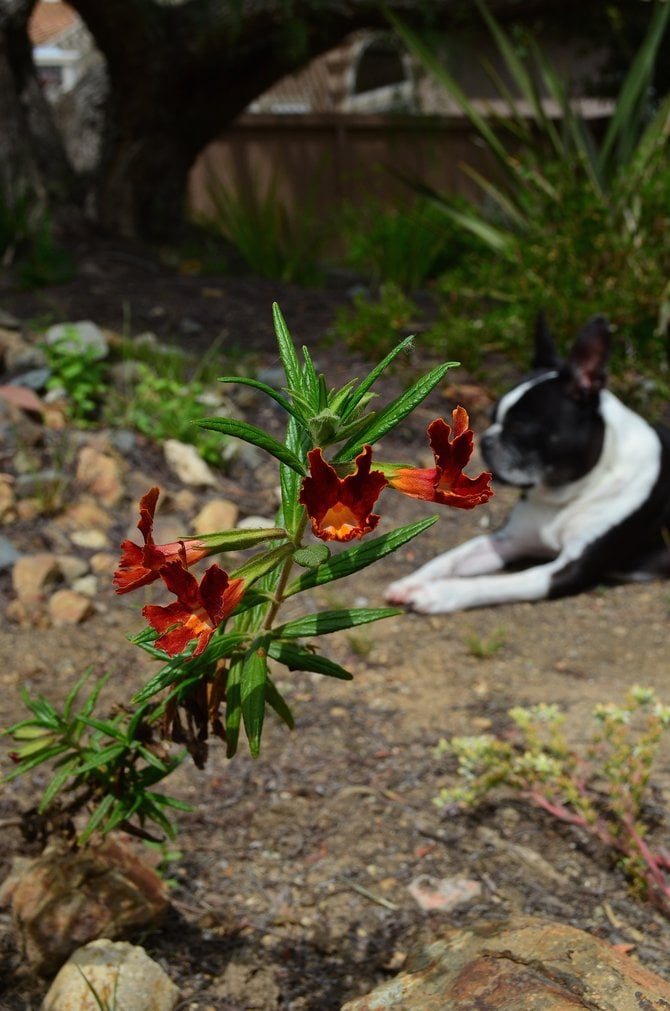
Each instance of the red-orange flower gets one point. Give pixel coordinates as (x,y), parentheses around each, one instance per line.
(341,508)
(445,482)
(198,609)
(141,565)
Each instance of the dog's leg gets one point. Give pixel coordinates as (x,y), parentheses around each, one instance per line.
(484,554)
(441,596)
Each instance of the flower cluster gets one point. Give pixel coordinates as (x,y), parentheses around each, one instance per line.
(339,508)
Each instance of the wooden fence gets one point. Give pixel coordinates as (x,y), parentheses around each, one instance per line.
(317,162)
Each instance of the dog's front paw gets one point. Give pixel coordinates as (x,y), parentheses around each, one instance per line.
(423,597)
(402,590)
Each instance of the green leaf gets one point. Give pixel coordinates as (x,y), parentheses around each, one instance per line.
(633,88)
(394,413)
(279,704)
(62,776)
(358,557)
(260,565)
(270,391)
(257,437)
(332,621)
(287,350)
(310,381)
(311,555)
(175,670)
(233,704)
(45,755)
(106,727)
(72,695)
(106,756)
(361,390)
(97,817)
(302,659)
(252,693)
(495,238)
(290,480)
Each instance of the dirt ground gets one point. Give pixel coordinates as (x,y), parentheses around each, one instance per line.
(290,887)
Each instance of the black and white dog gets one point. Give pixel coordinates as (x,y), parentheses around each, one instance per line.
(596,490)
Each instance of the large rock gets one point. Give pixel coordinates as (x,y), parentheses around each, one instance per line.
(66,898)
(517,965)
(75,338)
(111,974)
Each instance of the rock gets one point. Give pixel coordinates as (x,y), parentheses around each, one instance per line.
(69,607)
(8,554)
(65,898)
(433,894)
(8,321)
(184,461)
(7,501)
(44,484)
(77,337)
(33,379)
(524,962)
(104,563)
(85,514)
(34,576)
(17,353)
(72,567)
(92,540)
(122,975)
(255,523)
(218,514)
(86,585)
(100,474)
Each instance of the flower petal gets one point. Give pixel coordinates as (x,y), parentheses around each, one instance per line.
(341,508)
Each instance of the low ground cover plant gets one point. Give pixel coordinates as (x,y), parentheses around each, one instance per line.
(602,789)
(222,638)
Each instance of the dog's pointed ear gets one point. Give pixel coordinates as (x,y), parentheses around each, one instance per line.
(545,355)
(587,361)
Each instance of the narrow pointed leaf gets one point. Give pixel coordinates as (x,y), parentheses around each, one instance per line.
(287,350)
(269,391)
(252,694)
(290,480)
(277,701)
(496,239)
(305,660)
(72,695)
(357,395)
(635,84)
(260,565)
(233,704)
(59,780)
(97,818)
(506,203)
(256,436)
(358,557)
(332,621)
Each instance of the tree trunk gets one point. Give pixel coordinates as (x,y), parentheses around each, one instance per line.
(33,162)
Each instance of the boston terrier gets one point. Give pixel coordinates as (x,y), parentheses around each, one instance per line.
(595,480)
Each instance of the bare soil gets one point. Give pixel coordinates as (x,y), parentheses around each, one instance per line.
(290,889)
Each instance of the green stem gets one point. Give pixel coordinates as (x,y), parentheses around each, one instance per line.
(286,571)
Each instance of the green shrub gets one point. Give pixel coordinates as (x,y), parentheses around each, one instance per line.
(374,325)
(273,243)
(573,224)
(77,369)
(408,246)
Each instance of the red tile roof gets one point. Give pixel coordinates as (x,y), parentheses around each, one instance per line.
(49,20)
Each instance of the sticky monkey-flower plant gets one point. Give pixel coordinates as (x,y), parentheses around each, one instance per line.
(221,637)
